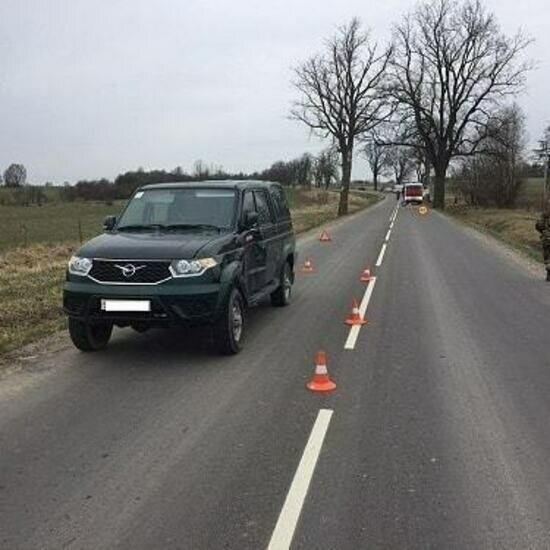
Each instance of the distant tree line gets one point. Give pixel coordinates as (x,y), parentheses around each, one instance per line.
(320,170)
(307,170)
(125,184)
(15,179)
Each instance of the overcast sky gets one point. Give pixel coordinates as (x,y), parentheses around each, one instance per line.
(93,88)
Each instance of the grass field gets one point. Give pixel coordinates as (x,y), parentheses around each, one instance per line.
(514,226)
(31,276)
(530,197)
(52,223)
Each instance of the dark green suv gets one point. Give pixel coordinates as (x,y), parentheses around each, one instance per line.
(183,254)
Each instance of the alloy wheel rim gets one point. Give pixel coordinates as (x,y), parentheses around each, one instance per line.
(287,285)
(237,321)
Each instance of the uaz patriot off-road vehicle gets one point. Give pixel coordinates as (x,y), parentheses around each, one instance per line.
(183,254)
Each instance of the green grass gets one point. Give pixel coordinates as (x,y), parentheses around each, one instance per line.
(515,227)
(9,196)
(530,197)
(30,293)
(52,223)
(31,276)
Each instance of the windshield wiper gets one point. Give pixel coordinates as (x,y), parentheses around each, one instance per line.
(141,226)
(192,226)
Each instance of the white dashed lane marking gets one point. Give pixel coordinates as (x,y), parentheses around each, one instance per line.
(292,507)
(354,331)
(381,255)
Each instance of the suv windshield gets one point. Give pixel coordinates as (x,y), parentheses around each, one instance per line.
(179,208)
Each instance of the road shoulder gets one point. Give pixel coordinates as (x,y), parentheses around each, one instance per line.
(504,250)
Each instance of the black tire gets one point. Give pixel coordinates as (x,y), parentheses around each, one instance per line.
(89,337)
(280,297)
(228,331)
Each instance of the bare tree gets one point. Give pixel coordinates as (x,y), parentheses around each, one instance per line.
(377,154)
(401,161)
(340,94)
(422,164)
(304,169)
(298,171)
(15,175)
(200,170)
(495,176)
(451,67)
(326,167)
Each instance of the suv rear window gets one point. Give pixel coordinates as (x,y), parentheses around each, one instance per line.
(279,203)
(262,207)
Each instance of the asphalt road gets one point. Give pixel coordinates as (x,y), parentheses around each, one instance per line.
(439,435)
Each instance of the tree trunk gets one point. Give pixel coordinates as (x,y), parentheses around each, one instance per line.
(375,179)
(439,187)
(427,169)
(346,179)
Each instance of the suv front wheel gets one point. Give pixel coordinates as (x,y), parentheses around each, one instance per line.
(89,337)
(229,328)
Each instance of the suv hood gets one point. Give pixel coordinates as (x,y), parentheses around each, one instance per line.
(145,245)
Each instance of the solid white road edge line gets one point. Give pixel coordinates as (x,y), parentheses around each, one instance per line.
(381,255)
(388,235)
(288,518)
(354,331)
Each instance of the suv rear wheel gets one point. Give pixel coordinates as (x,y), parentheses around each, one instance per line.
(229,328)
(89,337)
(281,296)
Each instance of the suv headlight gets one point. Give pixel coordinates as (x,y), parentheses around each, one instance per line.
(191,268)
(80,266)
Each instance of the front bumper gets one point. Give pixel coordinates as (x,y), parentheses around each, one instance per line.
(172,303)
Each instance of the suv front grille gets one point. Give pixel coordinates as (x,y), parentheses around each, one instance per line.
(130,271)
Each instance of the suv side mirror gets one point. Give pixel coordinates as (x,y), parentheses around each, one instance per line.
(109,223)
(250,219)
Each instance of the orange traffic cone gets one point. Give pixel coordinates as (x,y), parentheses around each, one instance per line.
(307,267)
(354,318)
(325,237)
(321,381)
(365,276)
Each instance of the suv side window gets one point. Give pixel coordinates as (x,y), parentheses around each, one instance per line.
(248,203)
(279,203)
(262,207)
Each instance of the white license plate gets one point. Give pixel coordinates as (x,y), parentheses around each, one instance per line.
(125,305)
